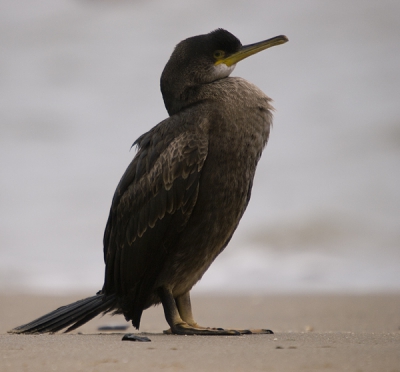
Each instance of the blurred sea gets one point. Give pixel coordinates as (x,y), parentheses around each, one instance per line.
(79,82)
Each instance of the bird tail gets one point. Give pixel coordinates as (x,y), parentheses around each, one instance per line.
(72,315)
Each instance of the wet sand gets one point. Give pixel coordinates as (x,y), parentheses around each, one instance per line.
(312,333)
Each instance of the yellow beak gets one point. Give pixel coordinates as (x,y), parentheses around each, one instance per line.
(248,50)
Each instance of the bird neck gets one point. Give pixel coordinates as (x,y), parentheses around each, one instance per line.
(178,94)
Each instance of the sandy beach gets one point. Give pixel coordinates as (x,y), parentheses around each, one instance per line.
(312,333)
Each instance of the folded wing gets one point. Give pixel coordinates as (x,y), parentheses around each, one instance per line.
(151,207)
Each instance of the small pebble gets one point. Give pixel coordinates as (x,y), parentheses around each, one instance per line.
(117,327)
(133,337)
(308,328)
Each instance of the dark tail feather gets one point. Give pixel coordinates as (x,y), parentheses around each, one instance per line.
(72,315)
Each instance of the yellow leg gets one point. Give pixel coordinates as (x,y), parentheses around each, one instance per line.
(178,313)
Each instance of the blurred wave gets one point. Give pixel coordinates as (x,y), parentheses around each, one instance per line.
(79,82)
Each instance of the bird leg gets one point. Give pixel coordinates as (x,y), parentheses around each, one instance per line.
(178,312)
(180,326)
(184,306)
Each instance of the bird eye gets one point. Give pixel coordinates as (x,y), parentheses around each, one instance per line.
(219,54)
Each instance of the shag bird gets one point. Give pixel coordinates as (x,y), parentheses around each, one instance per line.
(184,193)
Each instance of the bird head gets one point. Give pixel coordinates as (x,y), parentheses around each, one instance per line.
(203,59)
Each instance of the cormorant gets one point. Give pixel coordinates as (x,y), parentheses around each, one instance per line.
(184,193)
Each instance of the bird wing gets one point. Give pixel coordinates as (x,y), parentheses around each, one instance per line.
(151,206)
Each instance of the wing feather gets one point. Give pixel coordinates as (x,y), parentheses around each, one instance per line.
(151,206)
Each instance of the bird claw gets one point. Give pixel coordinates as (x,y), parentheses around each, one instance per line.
(186,329)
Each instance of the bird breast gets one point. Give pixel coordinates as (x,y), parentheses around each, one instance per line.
(239,118)
(241,124)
